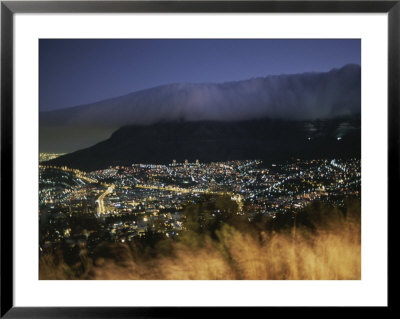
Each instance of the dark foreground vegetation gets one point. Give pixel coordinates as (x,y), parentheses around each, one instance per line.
(322,241)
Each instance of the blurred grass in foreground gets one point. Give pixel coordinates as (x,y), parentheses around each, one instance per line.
(319,243)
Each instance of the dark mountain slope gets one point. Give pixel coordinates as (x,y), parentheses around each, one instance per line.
(207,141)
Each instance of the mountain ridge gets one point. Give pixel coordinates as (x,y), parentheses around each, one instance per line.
(305,96)
(347,66)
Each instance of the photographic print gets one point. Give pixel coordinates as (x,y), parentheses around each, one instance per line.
(199,159)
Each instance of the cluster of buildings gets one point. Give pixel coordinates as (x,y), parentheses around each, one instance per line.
(43,157)
(121,203)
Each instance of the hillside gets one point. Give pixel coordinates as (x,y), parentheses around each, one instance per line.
(212,141)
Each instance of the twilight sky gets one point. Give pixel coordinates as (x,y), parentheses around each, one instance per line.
(74,72)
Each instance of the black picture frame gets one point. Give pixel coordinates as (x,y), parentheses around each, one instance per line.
(9,8)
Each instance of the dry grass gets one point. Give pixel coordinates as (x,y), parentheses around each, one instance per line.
(329,254)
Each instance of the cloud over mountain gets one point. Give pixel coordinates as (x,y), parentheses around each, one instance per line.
(306,96)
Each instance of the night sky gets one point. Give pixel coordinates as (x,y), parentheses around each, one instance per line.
(74,72)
